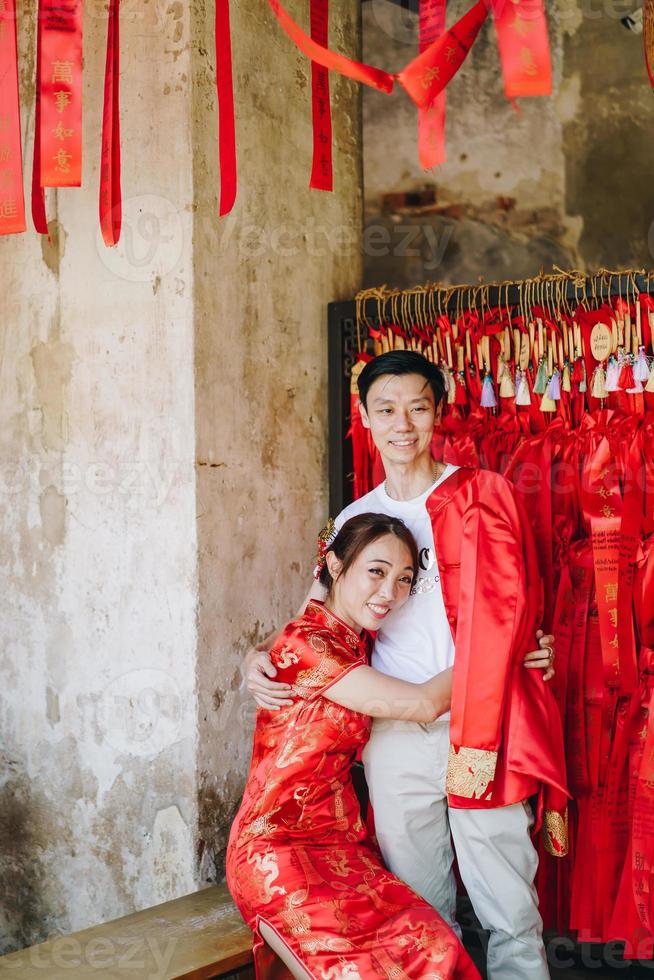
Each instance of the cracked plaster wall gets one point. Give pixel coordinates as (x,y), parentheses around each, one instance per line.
(98,809)
(563,181)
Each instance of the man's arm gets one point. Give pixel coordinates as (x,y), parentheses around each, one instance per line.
(258,670)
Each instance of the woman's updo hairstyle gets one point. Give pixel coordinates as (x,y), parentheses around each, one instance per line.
(360,531)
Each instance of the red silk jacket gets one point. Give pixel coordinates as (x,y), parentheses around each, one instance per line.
(505,729)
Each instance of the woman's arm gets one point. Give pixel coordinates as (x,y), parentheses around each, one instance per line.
(370,692)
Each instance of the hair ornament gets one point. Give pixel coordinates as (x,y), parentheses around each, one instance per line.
(325,538)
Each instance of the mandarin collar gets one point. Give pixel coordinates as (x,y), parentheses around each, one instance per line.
(318,613)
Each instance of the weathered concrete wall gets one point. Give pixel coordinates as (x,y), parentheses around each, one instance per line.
(564,181)
(607,113)
(263,278)
(98,810)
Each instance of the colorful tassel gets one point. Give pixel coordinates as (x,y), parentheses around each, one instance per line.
(650,384)
(507,389)
(488,399)
(540,384)
(598,383)
(641,366)
(565,378)
(583,384)
(546,404)
(461,397)
(636,389)
(523,395)
(626,376)
(446,376)
(612,374)
(451,387)
(553,390)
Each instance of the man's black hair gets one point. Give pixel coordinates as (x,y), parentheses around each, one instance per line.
(401,362)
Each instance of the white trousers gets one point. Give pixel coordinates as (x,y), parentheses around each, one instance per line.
(405,766)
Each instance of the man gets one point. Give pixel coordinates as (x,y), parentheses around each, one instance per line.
(471,593)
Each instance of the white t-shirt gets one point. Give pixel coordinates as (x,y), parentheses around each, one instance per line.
(415,642)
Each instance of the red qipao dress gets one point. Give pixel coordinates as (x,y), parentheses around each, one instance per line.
(299,856)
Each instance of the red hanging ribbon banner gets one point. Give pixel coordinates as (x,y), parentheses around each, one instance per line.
(60,81)
(111,206)
(225,94)
(423,78)
(322,55)
(431,71)
(38,197)
(321,171)
(603,504)
(524,47)
(12,202)
(431,119)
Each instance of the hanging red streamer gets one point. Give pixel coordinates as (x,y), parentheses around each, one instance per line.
(423,78)
(38,197)
(524,47)
(322,55)
(431,119)
(431,71)
(12,202)
(225,94)
(111,207)
(321,171)
(60,93)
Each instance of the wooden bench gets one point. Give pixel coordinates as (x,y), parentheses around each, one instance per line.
(196,937)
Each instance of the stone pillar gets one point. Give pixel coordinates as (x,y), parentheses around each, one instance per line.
(263,278)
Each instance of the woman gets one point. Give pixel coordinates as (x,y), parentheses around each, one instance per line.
(301,867)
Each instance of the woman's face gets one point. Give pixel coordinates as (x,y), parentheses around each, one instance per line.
(378,581)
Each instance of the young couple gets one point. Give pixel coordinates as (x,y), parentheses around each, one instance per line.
(302,869)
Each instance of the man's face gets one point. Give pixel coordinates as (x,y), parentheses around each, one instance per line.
(400,415)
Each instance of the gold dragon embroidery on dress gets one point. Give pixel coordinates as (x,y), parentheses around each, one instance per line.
(344,971)
(347,922)
(337,863)
(267,866)
(370,890)
(312,946)
(390,969)
(422,939)
(341,821)
(310,680)
(296,921)
(469,771)
(295,747)
(262,826)
(287,657)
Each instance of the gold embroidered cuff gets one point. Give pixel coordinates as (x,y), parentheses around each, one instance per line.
(555,832)
(469,771)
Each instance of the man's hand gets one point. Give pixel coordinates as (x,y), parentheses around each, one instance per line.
(266,692)
(542,659)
